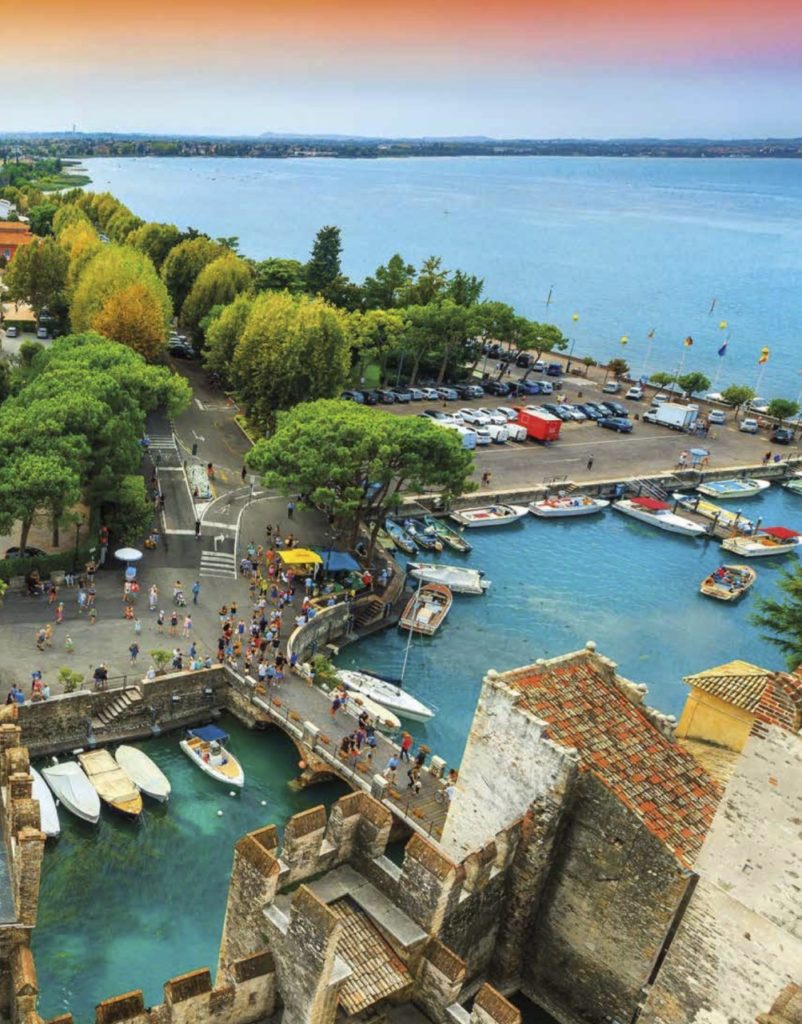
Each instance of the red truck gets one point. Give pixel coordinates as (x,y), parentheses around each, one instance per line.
(540,426)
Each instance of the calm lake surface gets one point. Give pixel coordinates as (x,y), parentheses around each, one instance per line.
(629,244)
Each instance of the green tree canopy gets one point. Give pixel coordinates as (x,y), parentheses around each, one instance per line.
(376,334)
(693,383)
(183,264)
(223,333)
(323,268)
(387,288)
(354,462)
(737,395)
(465,289)
(40,218)
(32,482)
(783,408)
(782,620)
(618,367)
(430,284)
(217,284)
(38,274)
(155,240)
(661,378)
(276,275)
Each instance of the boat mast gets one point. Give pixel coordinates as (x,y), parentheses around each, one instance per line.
(411,631)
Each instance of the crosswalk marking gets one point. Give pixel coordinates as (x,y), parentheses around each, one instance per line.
(163,442)
(218,563)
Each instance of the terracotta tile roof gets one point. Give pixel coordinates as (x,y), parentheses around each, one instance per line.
(377,973)
(15,234)
(588,707)
(774,698)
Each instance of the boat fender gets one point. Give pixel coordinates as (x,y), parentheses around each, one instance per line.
(302,765)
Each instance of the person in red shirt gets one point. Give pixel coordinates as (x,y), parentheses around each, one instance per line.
(406,746)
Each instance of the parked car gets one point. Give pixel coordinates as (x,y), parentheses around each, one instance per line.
(591,411)
(546,387)
(497,388)
(475,417)
(494,352)
(447,394)
(616,409)
(659,399)
(25,553)
(524,360)
(558,410)
(539,366)
(623,426)
(386,397)
(436,414)
(429,394)
(483,435)
(717,416)
(42,333)
(749,426)
(759,405)
(370,397)
(782,435)
(554,370)
(576,412)
(612,387)
(495,416)
(416,393)
(402,395)
(511,414)
(635,393)
(177,348)
(353,396)
(525,387)
(12,331)
(469,389)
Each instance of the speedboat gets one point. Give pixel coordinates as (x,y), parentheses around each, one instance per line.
(768,540)
(459,580)
(740,487)
(709,510)
(567,505)
(426,609)
(389,694)
(794,485)
(728,582)
(73,790)
(145,773)
(400,538)
(489,515)
(205,747)
(659,514)
(383,718)
(48,814)
(423,536)
(448,536)
(113,784)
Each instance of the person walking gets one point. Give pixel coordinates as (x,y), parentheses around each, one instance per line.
(48,635)
(137,627)
(59,612)
(590,462)
(392,768)
(92,615)
(414,779)
(187,626)
(197,529)
(40,639)
(160,622)
(69,646)
(290,508)
(153,597)
(174,623)
(195,592)
(406,746)
(133,650)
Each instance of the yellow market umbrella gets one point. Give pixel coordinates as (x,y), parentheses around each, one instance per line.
(300,556)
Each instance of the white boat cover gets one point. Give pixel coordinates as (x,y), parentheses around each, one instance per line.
(456,578)
(71,786)
(48,814)
(145,774)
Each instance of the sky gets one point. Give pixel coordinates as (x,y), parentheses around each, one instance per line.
(504,68)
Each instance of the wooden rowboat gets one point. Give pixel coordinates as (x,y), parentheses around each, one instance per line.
(728,582)
(426,609)
(112,783)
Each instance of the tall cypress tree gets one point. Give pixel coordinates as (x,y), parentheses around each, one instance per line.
(323,267)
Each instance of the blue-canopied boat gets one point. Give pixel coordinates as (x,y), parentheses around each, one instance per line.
(400,537)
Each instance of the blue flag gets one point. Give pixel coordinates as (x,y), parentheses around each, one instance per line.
(723,350)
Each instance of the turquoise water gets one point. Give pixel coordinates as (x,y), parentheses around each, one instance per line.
(630,245)
(557,584)
(128,905)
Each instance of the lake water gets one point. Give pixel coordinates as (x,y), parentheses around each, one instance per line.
(630,244)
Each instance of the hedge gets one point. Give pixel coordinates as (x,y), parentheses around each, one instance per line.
(44,563)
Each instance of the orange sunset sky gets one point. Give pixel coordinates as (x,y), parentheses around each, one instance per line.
(521,67)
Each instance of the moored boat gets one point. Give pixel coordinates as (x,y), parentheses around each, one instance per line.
(385,540)
(387,694)
(658,513)
(728,582)
(423,536)
(426,609)
(113,783)
(73,790)
(767,541)
(458,579)
(145,773)
(400,538)
(794,485)
(204,746)
(489,515)
(737,487)
(567,505)
(453,538)
(48,813)
(709,510)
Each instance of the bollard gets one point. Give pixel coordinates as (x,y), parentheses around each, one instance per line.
(194,447)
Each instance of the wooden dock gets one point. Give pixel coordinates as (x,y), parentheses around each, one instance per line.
(303,712)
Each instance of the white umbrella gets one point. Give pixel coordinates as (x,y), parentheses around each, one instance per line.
(128,554)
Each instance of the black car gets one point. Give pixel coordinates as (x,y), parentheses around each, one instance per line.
(782,435)
(616,409)
(591,411)
(558,411)
(494,352)
(369,397)
(27,553)
(385,397)
(524,360)
(497,388)
(181,349)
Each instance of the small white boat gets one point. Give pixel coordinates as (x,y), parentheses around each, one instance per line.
(383,718)
(385,693)
(113,784)
(145,773)
(769,540)
(728,582)
(48,814)
(489,515)
(73,790)
(794,485)
(458,579)
(658,513)
(740,487)
(205,747)
(426,609)
(717,514)
(567,505)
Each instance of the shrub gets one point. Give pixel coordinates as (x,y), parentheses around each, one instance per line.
(44,563)
(70,680)
(161,657)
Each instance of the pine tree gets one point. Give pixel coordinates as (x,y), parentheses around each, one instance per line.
(323,267)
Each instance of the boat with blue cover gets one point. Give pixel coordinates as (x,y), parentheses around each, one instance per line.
(400,537)
(205,746)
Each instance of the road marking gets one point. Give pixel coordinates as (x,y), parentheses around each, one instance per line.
(180,533)
(218,563)
(171,469)
(219,526)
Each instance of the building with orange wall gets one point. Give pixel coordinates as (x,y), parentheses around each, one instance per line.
(13,234)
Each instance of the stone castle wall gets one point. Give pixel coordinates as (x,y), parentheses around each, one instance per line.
(312,637)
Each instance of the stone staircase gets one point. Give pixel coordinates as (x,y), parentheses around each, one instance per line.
(117,705)
(368,611)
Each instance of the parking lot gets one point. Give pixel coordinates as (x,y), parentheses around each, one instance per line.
(584,452)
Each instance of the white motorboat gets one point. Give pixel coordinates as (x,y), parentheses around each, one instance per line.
(794,485)
(386,693)
(381,716)
(73,790)
(145,773)
(489,515)
(205,747)
(717,514)
(658,513)
(113,784)
(48,814)
(458,579)
(740,487)
(567,505)
(768,540)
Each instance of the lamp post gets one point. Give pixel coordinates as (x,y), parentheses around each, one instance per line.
(78,524)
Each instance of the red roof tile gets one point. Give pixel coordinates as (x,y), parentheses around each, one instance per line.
(587,708)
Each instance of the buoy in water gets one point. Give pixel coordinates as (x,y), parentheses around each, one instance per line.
(232,792)
(219,814)
(264,803)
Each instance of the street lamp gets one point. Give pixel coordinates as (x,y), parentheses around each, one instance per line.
(78,525)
